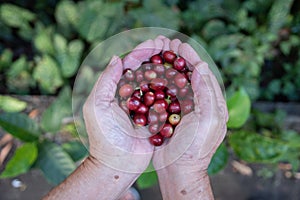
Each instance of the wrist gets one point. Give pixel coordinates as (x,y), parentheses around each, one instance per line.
(184,183)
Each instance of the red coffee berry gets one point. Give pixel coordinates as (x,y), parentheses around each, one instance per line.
(170,73)
(174,107)
(139,76)
(187,106)
(158,84)
(169,56)
(150,74)
(159,69)
(160,105)
(166,131)
(129,75)
(156,59)
(172,90)
(152,117)
(133,103)
(159,94)
(154,128)
(163,116)
(149,98)
(179,64)
(126,90)
(142,109)
(156,140)
(140,119)
(137,94)
(180,80)
(144,86)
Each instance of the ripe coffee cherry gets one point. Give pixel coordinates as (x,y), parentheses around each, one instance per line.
(140,119)
(163,116)
(156,140)
(150,74)
(179,64)
(126,90)
(174,119)
(172,90)
(170,73)
(159,69)
(142,109)
(167,130)
(187,106)
(169,56)
(137,94)
(159,94)
(133,103)
(139,76)
(174,107)
(149,98)
(180,80)
(129,75)
(144,86)
(156,59)
(152,117)
(154,128)
(158,84)
(160,105)
(184,91)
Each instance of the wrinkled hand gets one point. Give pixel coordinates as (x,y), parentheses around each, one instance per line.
(199,133)
(112,138)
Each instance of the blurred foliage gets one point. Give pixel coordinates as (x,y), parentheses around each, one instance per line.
(254,42)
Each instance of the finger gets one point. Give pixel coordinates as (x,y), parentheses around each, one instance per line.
(204,95)
(166,46)
(166,42)
(188,53)
(141,53)
(107,83)
(174,45)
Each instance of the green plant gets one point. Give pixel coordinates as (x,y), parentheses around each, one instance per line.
(40,148)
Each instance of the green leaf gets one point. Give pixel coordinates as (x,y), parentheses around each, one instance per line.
(15,16)
(68,56)
(239,108)
(279,13)
(219,160)
(66,13)
(52,117)
(252,147)
(43,40)
(10,104)
(5,59)
(21,161)
(155,14)
(92,24)
(76,150)
(147,179)
(48,75)
(54,162)
(17,67)
(20,126)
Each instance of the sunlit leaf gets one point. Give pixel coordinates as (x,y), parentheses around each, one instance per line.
(239,109)
(21,161)
(10,104)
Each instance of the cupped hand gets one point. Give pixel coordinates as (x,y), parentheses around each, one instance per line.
(113,140)
(200,132)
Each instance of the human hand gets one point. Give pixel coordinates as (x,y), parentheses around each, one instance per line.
(182,163)
(112,138)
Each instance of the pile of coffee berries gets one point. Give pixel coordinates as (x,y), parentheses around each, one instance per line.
(158,94)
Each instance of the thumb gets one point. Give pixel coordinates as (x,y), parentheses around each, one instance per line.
(106,85)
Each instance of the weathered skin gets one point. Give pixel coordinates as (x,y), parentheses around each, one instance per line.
(119,153)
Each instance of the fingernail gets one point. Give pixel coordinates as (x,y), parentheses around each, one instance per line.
(202,68)
(113,60)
